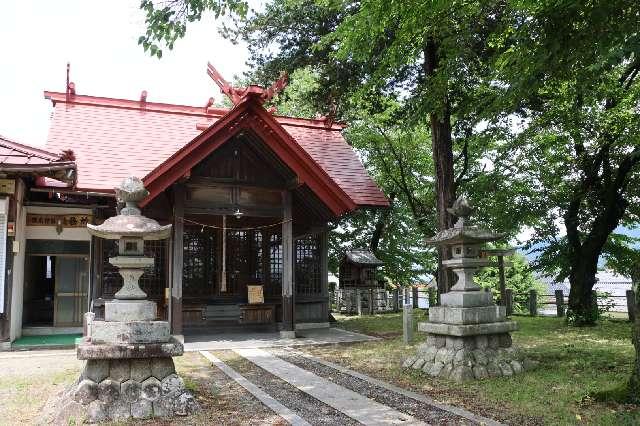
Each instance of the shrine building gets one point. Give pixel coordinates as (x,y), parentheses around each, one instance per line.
(249,194)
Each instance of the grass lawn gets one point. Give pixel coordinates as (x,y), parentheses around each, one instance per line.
(575,364)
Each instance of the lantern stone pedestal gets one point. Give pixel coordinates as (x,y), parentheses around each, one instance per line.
(468,336)
(129,370)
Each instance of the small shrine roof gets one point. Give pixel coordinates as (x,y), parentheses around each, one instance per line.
(363,257)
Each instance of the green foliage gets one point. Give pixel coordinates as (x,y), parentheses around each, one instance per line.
(398,245)
(570,70)
(519,277)
(295,100)
(622,254)
(167,21)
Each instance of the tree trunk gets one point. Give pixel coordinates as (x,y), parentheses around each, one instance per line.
(583,309)
(584,252)
(634,380)
(442,147)
(381,225)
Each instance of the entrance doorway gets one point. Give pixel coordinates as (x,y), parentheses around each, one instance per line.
(55,290)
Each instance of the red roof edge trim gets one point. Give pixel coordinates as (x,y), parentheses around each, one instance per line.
(202,111)
(29,150)
(283,145)
(313,168)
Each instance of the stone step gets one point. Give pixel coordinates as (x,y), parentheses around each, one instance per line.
(472,315)
(468,329)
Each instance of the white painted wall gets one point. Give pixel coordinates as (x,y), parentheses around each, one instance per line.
(49,232)
(23,233)
(18,265)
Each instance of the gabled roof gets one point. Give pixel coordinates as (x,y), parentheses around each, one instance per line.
(250,116)
(363,257)
(20,159)
(114,138)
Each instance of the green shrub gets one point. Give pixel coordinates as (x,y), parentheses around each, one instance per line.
(518,277)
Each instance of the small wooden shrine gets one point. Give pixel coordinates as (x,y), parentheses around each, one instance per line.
(359,269)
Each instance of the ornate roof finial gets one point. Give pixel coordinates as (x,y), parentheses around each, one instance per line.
(237,94)
(462,209)
(131,191)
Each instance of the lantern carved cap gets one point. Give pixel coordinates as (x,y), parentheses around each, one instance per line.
(130,223)
(131,191)
(463,231)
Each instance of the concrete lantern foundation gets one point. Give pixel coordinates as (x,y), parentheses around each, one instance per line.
(468,343)
(121,389)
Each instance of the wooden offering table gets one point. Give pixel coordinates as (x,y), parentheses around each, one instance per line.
(258,314)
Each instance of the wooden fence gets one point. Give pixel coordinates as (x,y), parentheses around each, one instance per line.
(533,304)
(377,301)
(374,301)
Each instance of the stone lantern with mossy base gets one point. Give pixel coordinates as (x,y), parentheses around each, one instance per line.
(468,336)
(129,369)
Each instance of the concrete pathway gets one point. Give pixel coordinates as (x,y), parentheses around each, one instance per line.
(229,341)
(262,396)
(485,421)
(354,405)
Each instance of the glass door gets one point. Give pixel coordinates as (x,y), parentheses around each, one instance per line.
(72,282)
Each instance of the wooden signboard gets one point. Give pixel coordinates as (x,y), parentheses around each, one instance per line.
(7,186)
(64,220)
(256,294)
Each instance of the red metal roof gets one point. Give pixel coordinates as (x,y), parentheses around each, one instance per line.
(20,159)
(16,153)
(114,138)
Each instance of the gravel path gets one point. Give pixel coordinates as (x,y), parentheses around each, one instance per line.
(417,409)
(307,407)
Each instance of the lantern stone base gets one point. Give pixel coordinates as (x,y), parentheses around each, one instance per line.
(468,337)
(88,350)
(130,310)
(467,358)
(120,389)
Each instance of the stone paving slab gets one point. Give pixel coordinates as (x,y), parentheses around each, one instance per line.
(262,396)
(417,396)
(230,341)
(352,404)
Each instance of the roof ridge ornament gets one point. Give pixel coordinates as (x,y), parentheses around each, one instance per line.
(238,94)
(462,209)
(70,88)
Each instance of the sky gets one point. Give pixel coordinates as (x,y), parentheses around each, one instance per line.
(100,40)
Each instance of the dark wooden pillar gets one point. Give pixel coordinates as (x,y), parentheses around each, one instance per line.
(288,291)
(177,259)
(324,271)
(503,285)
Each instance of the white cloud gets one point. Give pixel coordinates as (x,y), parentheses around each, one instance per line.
(99,38)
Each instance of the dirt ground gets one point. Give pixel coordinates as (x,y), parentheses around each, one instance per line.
(28,379)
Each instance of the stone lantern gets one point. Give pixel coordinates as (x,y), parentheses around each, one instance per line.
(468,336)
(130,318)
(129,369)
